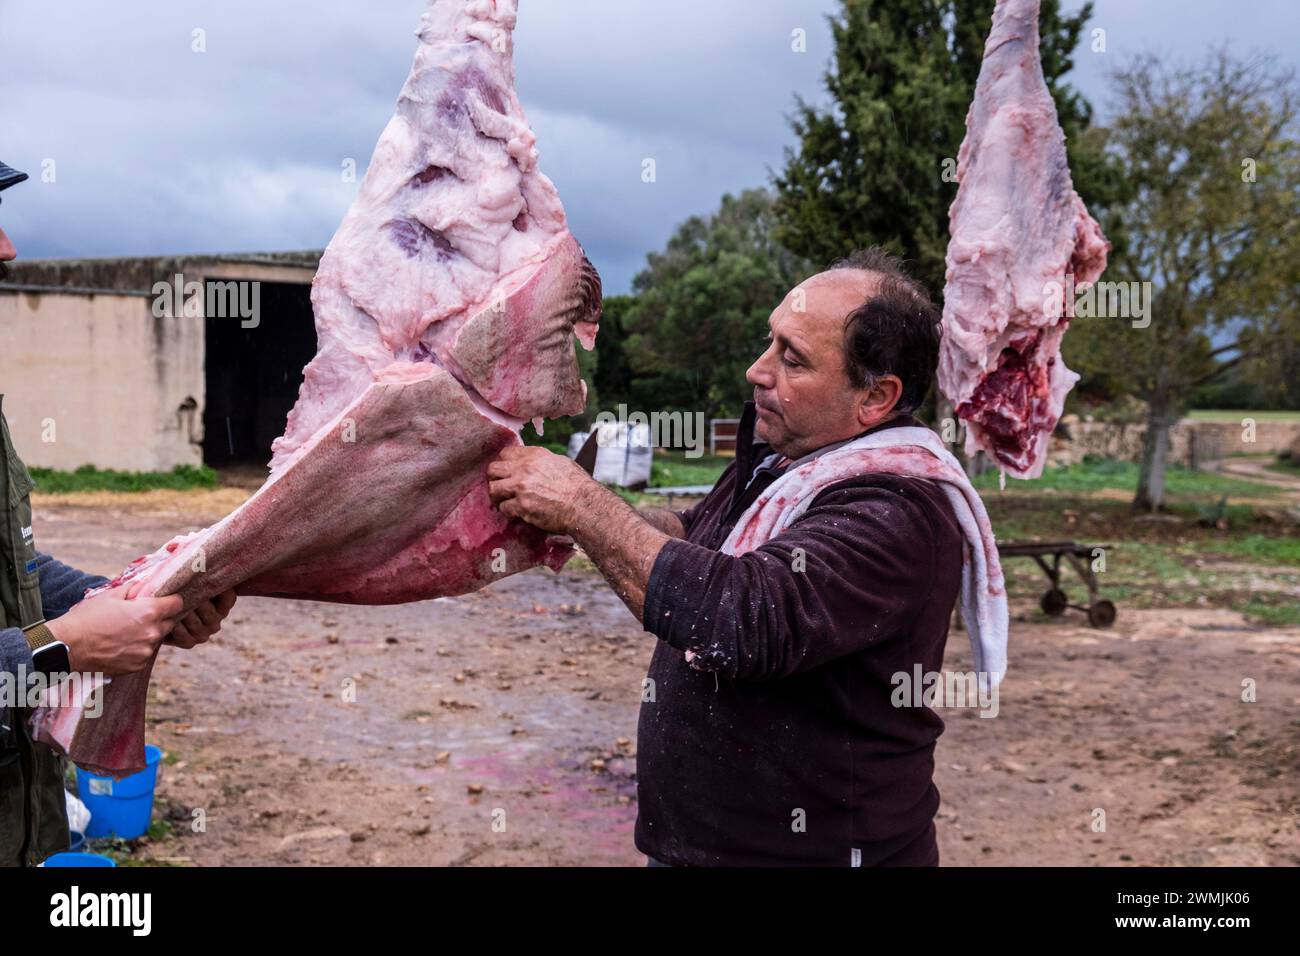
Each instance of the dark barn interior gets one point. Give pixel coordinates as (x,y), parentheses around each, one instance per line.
(253,374)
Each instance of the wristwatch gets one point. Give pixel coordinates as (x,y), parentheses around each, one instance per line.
(49,654)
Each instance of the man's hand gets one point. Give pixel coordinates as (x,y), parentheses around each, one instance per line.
(538,486)
(556,495)
(109,634)
(202,622)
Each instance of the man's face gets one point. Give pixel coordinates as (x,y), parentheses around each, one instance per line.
(801,386)
(7,250)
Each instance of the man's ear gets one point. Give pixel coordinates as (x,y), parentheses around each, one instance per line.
(878,404)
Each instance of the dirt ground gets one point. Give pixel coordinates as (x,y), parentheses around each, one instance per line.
(499,728)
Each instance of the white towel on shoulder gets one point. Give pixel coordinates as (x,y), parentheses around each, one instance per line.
(910,452)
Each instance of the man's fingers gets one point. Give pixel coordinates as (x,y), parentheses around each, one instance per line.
(180,636)
(161,611)
(206,616)
(499,491)
(169,606)
(498,469)
(510,508)
(225,601)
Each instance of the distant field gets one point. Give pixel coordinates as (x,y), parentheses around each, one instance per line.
(676,469)
(1237,414)
(1091,476)
(1106,474)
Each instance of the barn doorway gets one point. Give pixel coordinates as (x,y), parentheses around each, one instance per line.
(252,375)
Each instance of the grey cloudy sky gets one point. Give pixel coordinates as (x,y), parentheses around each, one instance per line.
(158,149)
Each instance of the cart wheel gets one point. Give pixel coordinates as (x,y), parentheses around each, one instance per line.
(1101,614)
(1054,602)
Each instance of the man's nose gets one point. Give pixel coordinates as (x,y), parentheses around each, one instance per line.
(7,250)
(761,373)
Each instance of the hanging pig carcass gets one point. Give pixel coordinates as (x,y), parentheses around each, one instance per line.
(1022,243)
(446,306)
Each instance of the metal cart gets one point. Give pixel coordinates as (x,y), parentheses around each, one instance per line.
(1101,613)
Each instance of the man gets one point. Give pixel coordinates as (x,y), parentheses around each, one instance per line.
(767,733)
(47,627)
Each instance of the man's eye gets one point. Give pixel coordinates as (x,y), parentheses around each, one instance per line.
(788,362)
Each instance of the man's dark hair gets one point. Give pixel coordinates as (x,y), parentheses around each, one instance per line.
(895,332)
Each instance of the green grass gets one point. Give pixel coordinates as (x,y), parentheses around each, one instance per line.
(1137,573)
(1144,562)
(1285,613)
(676,469)
(90,478)
(1238,517)
(1142,575)
(1258,548)
(1252,565)
(1237,414)
(1088,476)
(1102,474)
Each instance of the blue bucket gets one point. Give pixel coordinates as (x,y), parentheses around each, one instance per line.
(120,808)
(78,859)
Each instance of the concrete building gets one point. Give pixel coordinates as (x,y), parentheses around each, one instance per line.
(143,364)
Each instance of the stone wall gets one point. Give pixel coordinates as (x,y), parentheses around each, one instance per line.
(97,379)
(1191,441)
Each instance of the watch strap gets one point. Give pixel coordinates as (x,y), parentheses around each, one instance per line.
(38,636)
